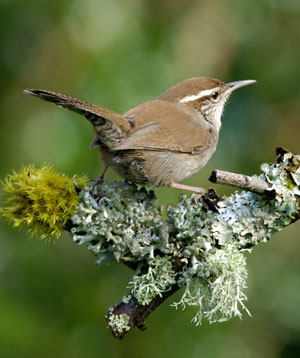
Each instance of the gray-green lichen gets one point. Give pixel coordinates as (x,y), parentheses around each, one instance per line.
(196,248)
(119,323)
(219,292)
(121,225)
(158,278)
(126,298)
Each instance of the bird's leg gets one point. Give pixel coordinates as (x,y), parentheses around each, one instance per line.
(197,197)
(195,189)
(100,178)
(99,181)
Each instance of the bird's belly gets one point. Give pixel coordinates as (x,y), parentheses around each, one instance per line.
(154,168)
(129,164)
(175,167)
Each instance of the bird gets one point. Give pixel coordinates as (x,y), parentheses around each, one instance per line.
(160,142)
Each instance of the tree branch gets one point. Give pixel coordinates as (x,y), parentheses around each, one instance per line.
(199,247)
(242,181)
(252,183)
(136,312)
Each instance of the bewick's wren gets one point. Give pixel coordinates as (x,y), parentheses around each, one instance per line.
(163,141)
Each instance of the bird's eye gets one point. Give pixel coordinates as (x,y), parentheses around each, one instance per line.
(214,95)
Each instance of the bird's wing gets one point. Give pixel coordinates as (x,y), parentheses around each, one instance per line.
(160,125)
(109,126)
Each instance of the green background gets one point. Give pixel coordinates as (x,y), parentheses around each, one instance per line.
(117,54)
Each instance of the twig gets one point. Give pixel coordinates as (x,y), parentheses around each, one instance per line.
(136,312)
(253,183)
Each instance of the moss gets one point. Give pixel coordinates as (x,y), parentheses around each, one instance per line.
(41,199)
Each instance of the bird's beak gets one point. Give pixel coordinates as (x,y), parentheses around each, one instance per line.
(232,86)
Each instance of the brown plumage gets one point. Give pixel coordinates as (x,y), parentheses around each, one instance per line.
(160,142)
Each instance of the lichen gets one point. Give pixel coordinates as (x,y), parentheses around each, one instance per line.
(119,323)
(250,218)
(126,298)
(218,291)
(199,247)
(159,278)
(196,248)
(121,225)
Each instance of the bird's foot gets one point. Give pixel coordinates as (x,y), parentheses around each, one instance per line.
(200,192)
(198,197)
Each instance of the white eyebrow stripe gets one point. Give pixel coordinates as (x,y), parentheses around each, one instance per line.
(198,95)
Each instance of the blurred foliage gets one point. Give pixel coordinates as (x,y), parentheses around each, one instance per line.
(119,53)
